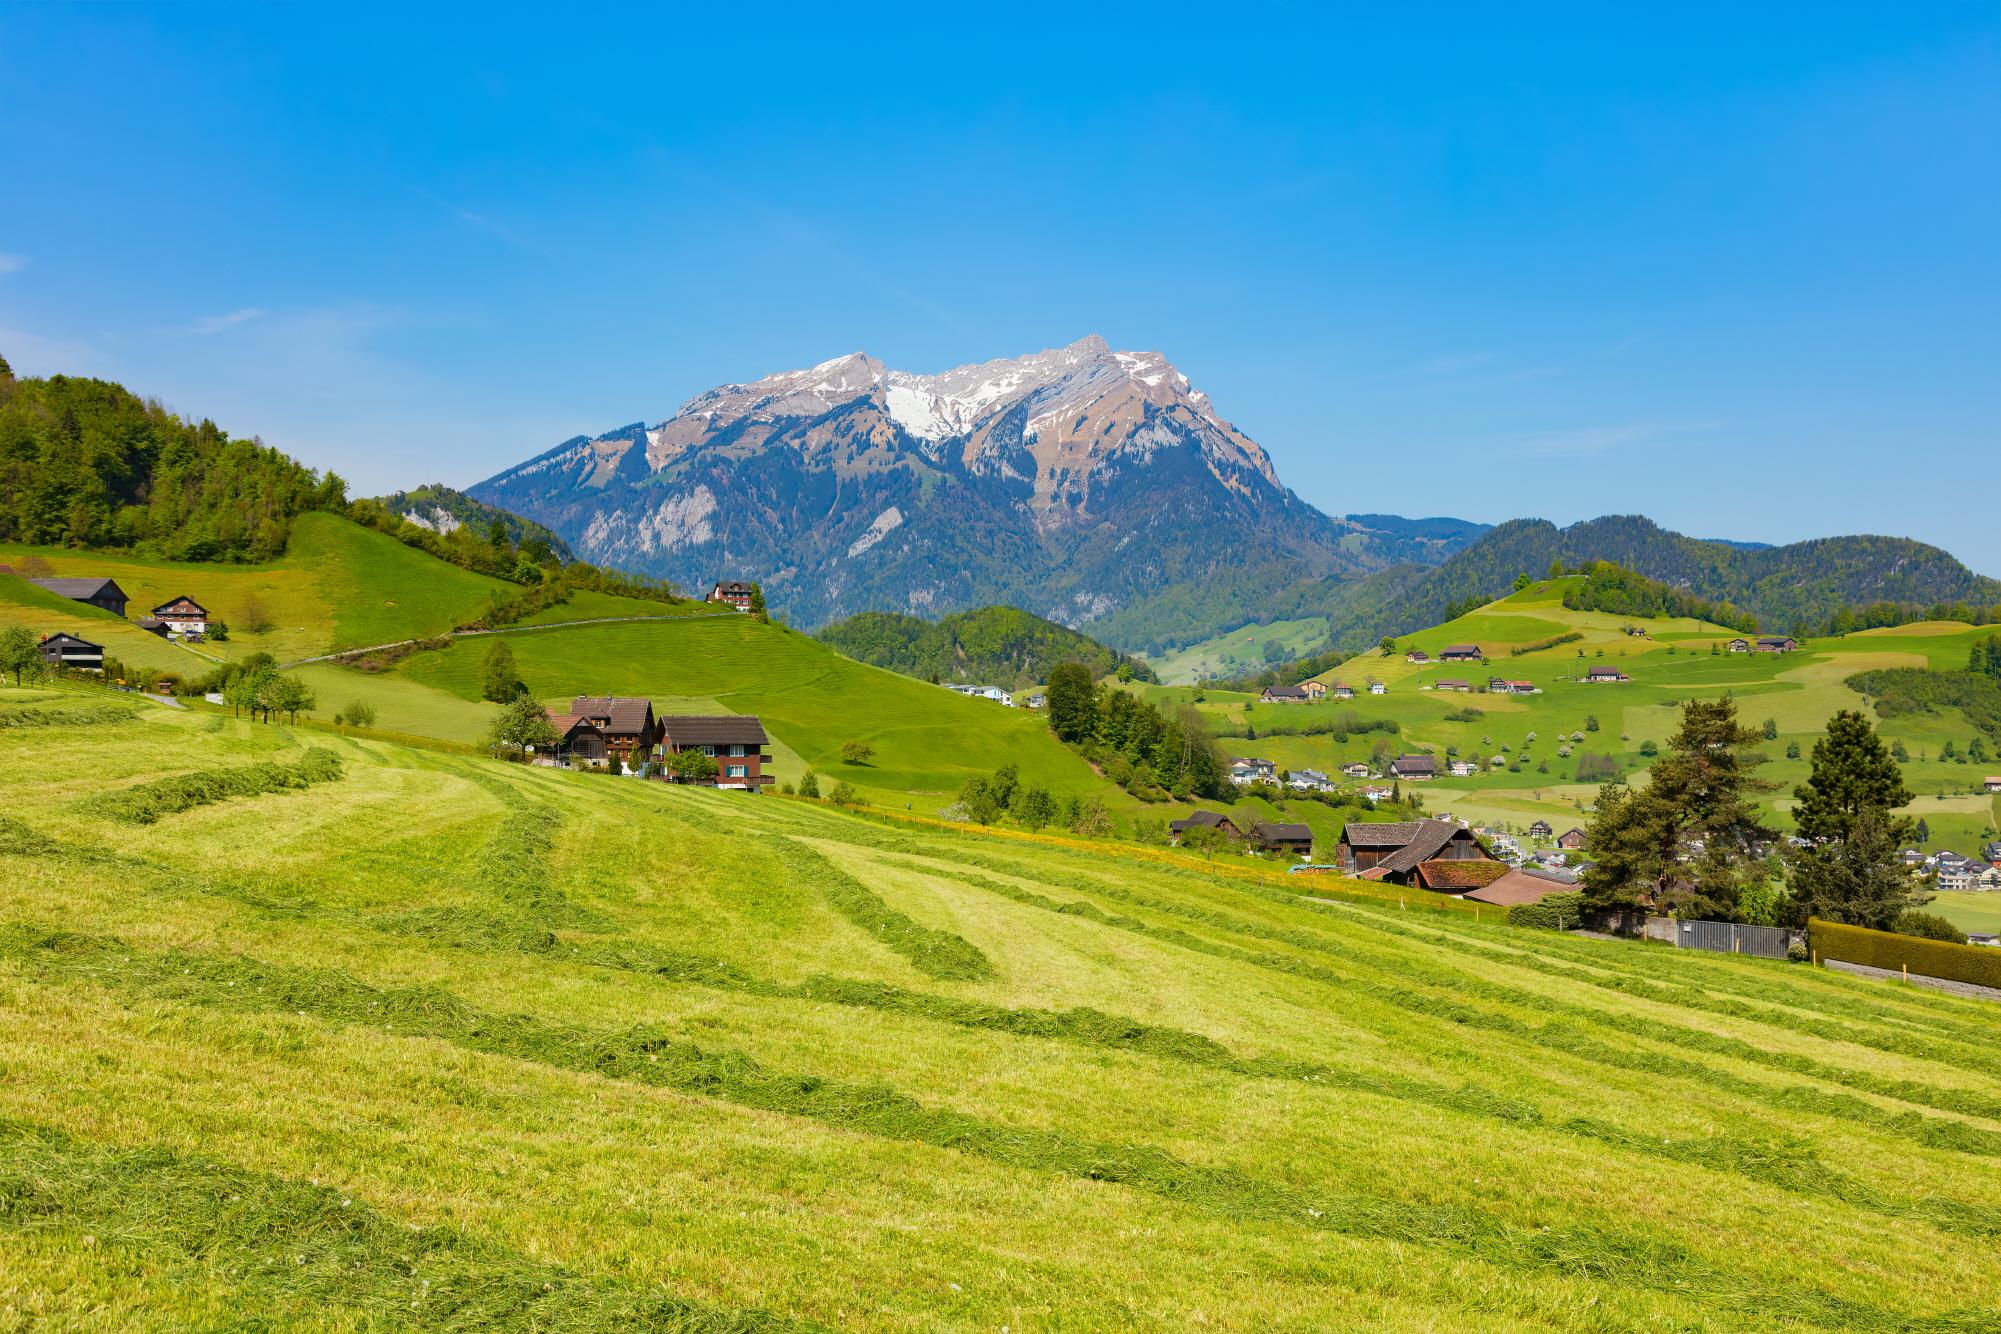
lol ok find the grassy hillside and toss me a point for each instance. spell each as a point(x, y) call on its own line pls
point(1670, 663)
point(1242, 650)
point(446, 1044)
point(1002, 646)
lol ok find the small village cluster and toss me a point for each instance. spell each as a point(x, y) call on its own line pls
point(181, 619)
point(597, 729)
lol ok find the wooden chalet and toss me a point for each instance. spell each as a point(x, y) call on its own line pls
point(1294, 840)
point(70, 652)
point(1776, 644)
point(1397, 850)
point(736, 741)
point(1571, 839)
point(731, 593)
point(1417, 768)
point(1517, 887)
point(1605, 675)
point(1286, 695)
point(626, 723)
point(1541, 829)
point(1460, 653)
point(1451, 683)
point(1204, 820)
point(1739, 646)
point(1417, 655)
point(578, 740)
point(104, 593)
point(183, 616)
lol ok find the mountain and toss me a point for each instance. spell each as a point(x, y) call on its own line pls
point(444, 511)
point(1002, 646)
point(1803, 584)
point(1075, 482)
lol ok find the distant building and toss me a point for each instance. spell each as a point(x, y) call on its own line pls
point(104, 593)
point(1739, 646)
point(183, 616)
point(1342, 690)
point(68, 651)
point(1204, 820)
point(1294, 840)
point(995, 693)
point(1417, 768)
point(1286, 695)
point(578, 740)
point(1993, 784)
point(731, 593)
point(1417, 655)
point(1540, 829)
point(1376, 794)
point(1395, 851)
point(627, 724)
point(1605, 676)
point(1308, 780)
point(1356, 770)
point(1460, 653)
point(1777, 644)
point(1517, 887)
point(1461, 768)
point(1246, 771)
point(1450, 683)
point(1571, 839)
point(1378, 688)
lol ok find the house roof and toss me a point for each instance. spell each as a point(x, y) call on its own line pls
point(1445, 682)
point(731, 586)
point(60, 640)
point(150, 623)
point(1473, 649)
point(713, 729)
point(566, 723)
point(1277, 832)
point(1572, 830)
point(1604, 671)
point(79, 589)
point(1201, 820)
point(623, 713)
point(1518, 887)
point(1430, 838)
point(1416, 764)
point(1460, 874)
point(1287, 691)
point(1380, 833)
point(172, 603)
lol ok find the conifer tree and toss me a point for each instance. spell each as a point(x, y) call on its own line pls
point(1073, 703)
point(500, 679)
point(1852, 772)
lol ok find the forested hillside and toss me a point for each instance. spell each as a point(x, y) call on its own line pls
point(443, 510)
point(87, 463)
point(1003, 646)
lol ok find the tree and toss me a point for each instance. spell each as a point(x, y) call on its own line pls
point(20, 653)
point(694, 765)
point(1792, 750)
point(1093, 820)
point(1923, 833)
point(757, 609)
point(1771, 729)
point(290, 696)
point(1522, 581)
point(1852, 772)
point(1031, 807)
point(1073, 703)
point(809, 784)
point(1687, 841)
point(248, 690)
point(1859, 880)
point(1388, 645)
point(522, 724)
point(856, 752)
point(1931, 926)
point(358, 714)
point(1590, 722)
point(253, 616)
point(499, 678)
point(976, 797)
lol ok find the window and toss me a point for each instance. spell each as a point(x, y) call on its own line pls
point(708, 750)
point(739, 771)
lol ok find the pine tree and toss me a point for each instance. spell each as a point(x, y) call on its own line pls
point(1073, 703)
point(1852, 772)
point(757, 608)
point(1860, 881)
point(500, 679)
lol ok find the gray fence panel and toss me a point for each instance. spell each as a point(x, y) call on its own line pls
point(1766, 942)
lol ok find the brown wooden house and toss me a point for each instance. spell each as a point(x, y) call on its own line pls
point(1204, 820)
point(731, 593)
point(578, 740)
point(1396, 850)
point(627, 724)
point(97, 592)
point(1294, 840)
point(736, 741)
point(68, 651)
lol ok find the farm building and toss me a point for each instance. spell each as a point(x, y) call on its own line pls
point(1777, 644)
point(1417, 655)
point(103, 593)
point(578, 740)
point(1460, 653)
point(1739, 646)
point(1295, 840)
point(1394, 851)
point(627, 724)
point(1355, 770)
point(1994, 784)
point(1378, 688)
point(731, 593)
point(1605, 676)
point(1521, 887)
point(1203, 820)
point(76, 654)
point(1541, 829)
point(1342, 690)
point(1286, 695)
point(1415, 767)
point(1450, 683)
point(737, 741)
point(183, 616)
point(1571, 840)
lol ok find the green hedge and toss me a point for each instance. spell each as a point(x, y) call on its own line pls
point(1556, 912)
point(1979, 964)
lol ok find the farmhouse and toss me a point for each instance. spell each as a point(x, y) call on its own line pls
point(1449, 876)
point(578, 740)
point(1777, 644)
point(1378, 688)
point(1739, 646)
point(1417, 655)
point(1462, 768)
point(1001, 697)
point(627, 724)
point(1540, 829)
point(1450, 683)
point(1308, 780)
point(1356, 770)
point(153, 625)
point(1571, 839)
point(1294, 840)
point(1247, 770)
point(731, 593)
point(183, 616)
point(1203, 820)
point(1993, 784)
point(104, 593)
point(1396, 850)
point(76, 654)
point(735, 740)
point(1342, 690)
point(1518, 887)
point(1497, 686)
point(1415, 767)
point(1459, 653)
point(1286, 695)
point(1376, 794)
point(1605, 676)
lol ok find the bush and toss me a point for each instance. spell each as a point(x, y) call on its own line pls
point(844, 795)
point(358, 714)
point(1556, 912)
point(1977, 964)
point(809, 784)
point(1926, 925)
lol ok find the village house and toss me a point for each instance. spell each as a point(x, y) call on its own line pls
point(578, 741)
point(1417, 655)
point(1378, 688)
point(1285, 695)
point(1460, 653)
point(736, 741)
point(1308, 780)
point(104, 593)
point(1357, 770)
point(1993, 784)
point(1571, 839)
point(153, 625)
point(1450, 683)
point(731, 593)
point(1294, 840)
point(68, 651)
point(1001, 697)
point(1462, 768)
point(1395, 851)
point(1777, 644)
point(1246, 771)
point(1038, 701)
point(1605, 676)
point(1739, 646)
point(1378, 794)
point(1342, 690)
point(1204, 820)
point(1416, 768)
point(1521, 886)
point(1540, 829)
point(1314, 689)
point(1959, 875)
point(627, 724)
point(1498, 686)
point(183, 617)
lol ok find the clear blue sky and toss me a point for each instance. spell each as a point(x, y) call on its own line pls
point(1735, 268)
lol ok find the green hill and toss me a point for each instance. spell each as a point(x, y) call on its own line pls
point(1527, 636)
point(1003, 646)
point(445, 1044)
point(444, 510)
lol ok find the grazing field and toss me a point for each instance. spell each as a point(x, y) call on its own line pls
point(1969, 910)
point(1241, 651)
point(1668, 664)
point(438, 1042)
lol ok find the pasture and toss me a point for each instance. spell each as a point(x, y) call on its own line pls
point(447, 1043)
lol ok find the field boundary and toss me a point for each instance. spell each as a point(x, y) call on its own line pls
point(503, 630)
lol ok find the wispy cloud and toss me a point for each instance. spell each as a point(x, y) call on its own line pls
point(12, 263)
point(491, 226)
point(215, 324)
point(1588, 441)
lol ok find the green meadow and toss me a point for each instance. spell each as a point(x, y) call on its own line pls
point(372, 1037)
point(1241, 651)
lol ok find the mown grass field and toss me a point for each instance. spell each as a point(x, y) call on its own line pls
point(445, 1043)
point(1969, 910)
point(1241, 650)
point(1671, 663)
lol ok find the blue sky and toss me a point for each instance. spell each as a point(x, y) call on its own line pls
point(1735, 268)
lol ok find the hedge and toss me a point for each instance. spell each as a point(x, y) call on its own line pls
point(1978, 964)
point(1554, 912)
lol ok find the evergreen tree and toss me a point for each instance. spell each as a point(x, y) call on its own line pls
point(500, 679)
point(1073, 703)
point(757, 607)
point(1852, 772)
point(1923, 833)
point(1859, 880)
point(1771, 729)
point(1687, 841)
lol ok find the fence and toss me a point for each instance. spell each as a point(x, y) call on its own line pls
point(1765, 942)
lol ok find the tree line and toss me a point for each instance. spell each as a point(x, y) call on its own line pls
point(1153, 755)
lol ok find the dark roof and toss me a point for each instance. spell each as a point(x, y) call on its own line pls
point(730, 586)
point(624, 713)
point(1300, 691)
point(1572, 830)
point(566, 723)
point(1473, 649)
point(1381, 834)
point(1201, 820)
point(1446, 682)
point(1604, 671)
point(170, 603)
point(1427, 843)
point(1282, 833)
point(80, 589)
point(59, 640)
point(1415, 764)
point(713, 729)
point(152, 625)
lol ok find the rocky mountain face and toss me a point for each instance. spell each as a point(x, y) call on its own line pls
point(1073, 482)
